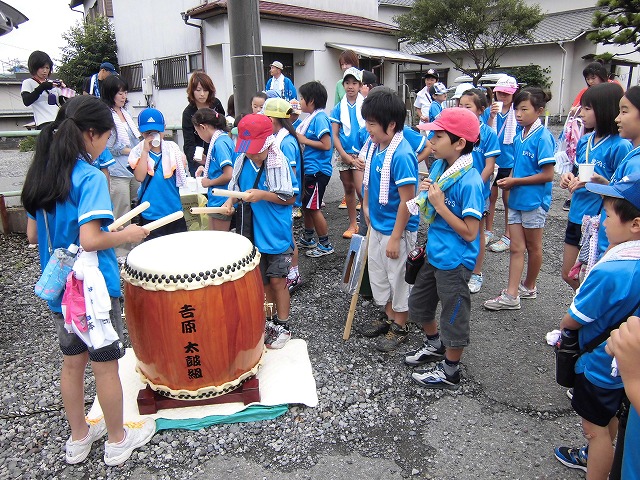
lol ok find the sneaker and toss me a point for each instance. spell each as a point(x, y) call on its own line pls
point(349, 232)
point(490, 237)
point(296, 213)
point(294, 284)
point(269, 331)
point(343, 203)
point(570, 393)
point(566, 206)
point(425, 354)
point(77, 451)
point(394, 337)
point(320, 251)
point(524, 292)
point(503, 302)
point(379, 326)
point(475, 282)
point(501, 245)
point(281, 335)
point(136, 434)
point(436, 377)
point(304, 243)
point(572, 457)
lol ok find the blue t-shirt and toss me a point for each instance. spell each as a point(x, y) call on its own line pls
point(487, 147)
point(446, 249)
point(606, 155)
point(162, 193)
point(291, 150)
point(505, 160)
point(318, 160)
point(222, 155)
point(631, 456)
point(434, 110)
point(403, 171)
point(629, 164)
point(418, 142)
point(349, 143)
point(272, 223)
point(88, 200)
point(104, 160)
point(531, 154)
point(607, 294)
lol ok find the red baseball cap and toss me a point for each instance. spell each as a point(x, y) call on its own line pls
point(459, 121)
point(253, 130)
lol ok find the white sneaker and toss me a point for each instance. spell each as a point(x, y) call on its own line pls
point(503, 302)
point(280, 337)
point(136, 434)
point(475, 282)
point(77, 451)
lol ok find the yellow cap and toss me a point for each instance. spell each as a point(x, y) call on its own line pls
point(277, 108)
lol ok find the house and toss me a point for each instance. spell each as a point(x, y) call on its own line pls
point(13, 114)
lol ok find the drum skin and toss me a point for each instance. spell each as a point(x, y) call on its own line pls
point(197, 342)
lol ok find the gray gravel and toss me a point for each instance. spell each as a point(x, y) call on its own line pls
point(371, 422)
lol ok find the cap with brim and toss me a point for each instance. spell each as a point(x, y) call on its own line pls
point(369, 78)
point(460, 89)
point(439, 88)
point(352, 72)
point(107, 66)
point(431, 73)
point(628, 188)
point(458, 121)
point(506, 84)
point(277, 108)
point(273, 94)
point(253, 130)
point(151, 119)
point(277, 64)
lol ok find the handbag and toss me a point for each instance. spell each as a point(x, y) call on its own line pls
point(244, 214)
point(415, 261)
point(51, 283)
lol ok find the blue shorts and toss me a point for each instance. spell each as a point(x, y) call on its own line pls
point(529, 219)
point(595, 404)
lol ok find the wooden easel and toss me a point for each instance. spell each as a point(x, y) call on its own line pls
point(354, 297)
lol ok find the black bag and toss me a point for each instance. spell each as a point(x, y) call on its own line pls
point(415, 261)
point(244, 214)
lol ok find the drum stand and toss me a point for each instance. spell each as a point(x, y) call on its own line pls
point(149, 401)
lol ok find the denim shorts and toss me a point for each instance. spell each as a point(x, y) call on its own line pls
point(529, 218)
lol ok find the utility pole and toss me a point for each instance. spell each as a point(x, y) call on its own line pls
point(246, 52)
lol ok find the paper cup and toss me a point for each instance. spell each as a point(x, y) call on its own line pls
point(500, 105)
point(156, 140)
point(197, 155)
point(585, 171)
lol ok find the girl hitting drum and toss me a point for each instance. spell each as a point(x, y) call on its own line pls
point(67, 200)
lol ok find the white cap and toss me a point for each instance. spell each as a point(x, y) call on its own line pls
point(460, 89)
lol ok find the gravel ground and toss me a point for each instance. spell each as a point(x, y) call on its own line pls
point(372, 421)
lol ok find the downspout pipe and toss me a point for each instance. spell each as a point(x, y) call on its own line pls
point(185, 19)
point(564, 64)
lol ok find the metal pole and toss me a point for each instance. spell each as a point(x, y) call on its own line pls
point(246, 52)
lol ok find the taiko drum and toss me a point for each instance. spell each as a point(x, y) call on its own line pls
point(194, 305)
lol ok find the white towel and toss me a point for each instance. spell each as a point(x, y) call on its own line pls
point(172, 159)
point(385, 174)
point(345, 118)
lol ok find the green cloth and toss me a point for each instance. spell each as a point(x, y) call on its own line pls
point(252, 413)
point(340, 92)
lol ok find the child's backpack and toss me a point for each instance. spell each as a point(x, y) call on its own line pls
point(568, 142)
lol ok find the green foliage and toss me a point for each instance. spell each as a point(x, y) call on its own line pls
point(27, 144)
point(88, 45)
point(482, 29)
point(618, 23)
point(531, 75)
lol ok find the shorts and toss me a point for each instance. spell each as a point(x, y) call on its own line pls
point(573, 234)
point(386, 275)
point(595, 404)
point(71, 344)
point(451, 288)
point(502, 173)
point(220, 216)
point(340, 165)
point(314, 188)
point(529, 219)
point(275, 265)
point(487, 203)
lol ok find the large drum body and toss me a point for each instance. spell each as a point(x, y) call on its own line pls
point(194, 304)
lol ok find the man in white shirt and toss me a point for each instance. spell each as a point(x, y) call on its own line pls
point(281, 83)
point(423, 99)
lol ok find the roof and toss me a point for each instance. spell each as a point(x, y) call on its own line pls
point(554, 27)
point(382, 53)
point(295, 13)
point(397, 3)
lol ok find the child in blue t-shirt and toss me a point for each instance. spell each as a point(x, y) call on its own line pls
point(608, 295)
point(484, 160)
point(390, 180)
point(603, 148)
point(161, 171)
point(271, 202)
point(529, 199)
point(438, 93)
point(346, 122)
point(211, 127)
point(316, 140)
point(452, 201)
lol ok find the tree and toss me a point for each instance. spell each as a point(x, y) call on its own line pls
point(531, 75)
point(481, 29)
point(618, 23)
point(89, 44)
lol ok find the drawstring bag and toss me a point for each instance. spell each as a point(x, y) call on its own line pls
point(74, 309)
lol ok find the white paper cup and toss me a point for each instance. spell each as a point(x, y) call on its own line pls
point(156, 140)
point(197, 155)
point(585, 171)
point(500, 105)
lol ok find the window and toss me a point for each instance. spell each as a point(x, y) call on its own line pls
point(133, 75)
point(195, 62)
point(171, 72)
point(373, 65)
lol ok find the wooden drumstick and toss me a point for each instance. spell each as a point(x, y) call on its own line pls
point(117, 223)
point(196, 210)
point(228, 193)
point(161, 222)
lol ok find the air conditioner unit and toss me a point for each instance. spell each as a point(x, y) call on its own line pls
point(147, 85)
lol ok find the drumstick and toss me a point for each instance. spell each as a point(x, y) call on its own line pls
point(161, 222)
point(128, 216)
point(228, 193)
point(222, 210)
